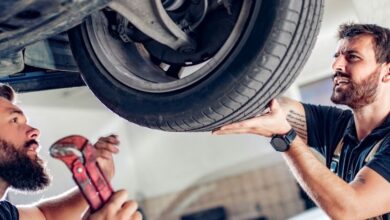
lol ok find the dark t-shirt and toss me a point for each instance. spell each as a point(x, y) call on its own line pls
point(326, 126)
point(8, 211)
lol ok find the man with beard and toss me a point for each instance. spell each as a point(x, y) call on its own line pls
point(21, 168)
point(355, 144)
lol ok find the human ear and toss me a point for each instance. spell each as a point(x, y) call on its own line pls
point(386, 77)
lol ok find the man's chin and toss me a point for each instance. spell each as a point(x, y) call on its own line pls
point(22, 170)
point(336, 98)
point(34, 177)
point(32, 187)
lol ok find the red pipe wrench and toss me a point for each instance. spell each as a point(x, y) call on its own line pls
point(79, 155)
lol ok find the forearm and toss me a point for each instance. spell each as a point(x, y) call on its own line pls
point(295, 115)
point(70, 205)
point(337, 198)
point(331, 193)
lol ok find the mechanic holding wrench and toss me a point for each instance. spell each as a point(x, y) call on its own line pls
point(21, 168)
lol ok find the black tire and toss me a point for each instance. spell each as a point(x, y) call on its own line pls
point(273, 47)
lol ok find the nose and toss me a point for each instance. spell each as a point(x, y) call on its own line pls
point(339, 63)
point(33, 133)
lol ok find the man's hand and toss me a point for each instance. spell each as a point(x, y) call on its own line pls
point(105, 147)
point(117, 208)
point(273, 122)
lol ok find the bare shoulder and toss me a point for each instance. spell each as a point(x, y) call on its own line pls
point(30, 212)
point(295, 115)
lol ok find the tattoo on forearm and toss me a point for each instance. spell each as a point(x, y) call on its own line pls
point(298, 122)
point(301, 134)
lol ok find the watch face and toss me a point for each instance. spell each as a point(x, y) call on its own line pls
point(279, 144)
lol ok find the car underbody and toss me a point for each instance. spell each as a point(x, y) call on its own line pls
point(174, 65)
point(25, 22)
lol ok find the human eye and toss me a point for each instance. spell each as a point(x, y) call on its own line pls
point(336, 55)
point(14, 119)
point(353, 57)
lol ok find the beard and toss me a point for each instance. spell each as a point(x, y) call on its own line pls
point(19, 170)
point(357, 95)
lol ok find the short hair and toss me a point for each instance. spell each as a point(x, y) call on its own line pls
point(7, 92)
point(381, 38)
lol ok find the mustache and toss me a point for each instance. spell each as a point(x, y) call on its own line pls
point(339, 73)
point(29, 143)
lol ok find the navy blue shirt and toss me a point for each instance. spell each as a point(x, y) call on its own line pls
point(8, 211)
point(326, 126)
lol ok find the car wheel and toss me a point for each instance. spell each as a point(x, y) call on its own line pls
point(244, 58)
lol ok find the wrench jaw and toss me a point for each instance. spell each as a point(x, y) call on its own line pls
point(79, 156)
point(66, 153)
point(69, 149)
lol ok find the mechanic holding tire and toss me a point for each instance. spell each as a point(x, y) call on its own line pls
point(355, 143)
point(21, 168)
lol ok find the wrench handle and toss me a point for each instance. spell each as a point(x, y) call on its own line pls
point(79, 156)
point(100, 182)
point(86, 187)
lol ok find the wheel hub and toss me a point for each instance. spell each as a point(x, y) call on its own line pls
point(198, 26)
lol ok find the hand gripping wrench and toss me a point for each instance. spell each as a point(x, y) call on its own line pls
point(79, 155)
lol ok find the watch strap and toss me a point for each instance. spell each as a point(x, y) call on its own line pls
point(291, 135)
point(282, 143)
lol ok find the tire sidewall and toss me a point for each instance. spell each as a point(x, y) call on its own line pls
point(130, 103)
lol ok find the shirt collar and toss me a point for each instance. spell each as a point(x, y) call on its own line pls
point(350, 131)
point(380, 131)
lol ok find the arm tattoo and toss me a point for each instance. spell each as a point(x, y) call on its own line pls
point(298, 122)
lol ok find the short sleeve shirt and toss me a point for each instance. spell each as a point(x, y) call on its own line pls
point(326, 126)
point(8, 211)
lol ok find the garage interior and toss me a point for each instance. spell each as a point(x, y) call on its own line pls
point(192, 176)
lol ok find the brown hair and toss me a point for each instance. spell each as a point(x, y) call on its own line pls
point(7, 92)
point(381, 37)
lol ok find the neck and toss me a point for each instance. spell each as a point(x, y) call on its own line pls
point(369, 117)
point(3, 188)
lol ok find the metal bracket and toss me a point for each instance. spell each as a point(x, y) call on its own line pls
point(150, 17)
point(40, 80)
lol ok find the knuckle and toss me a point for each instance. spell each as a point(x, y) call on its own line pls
point(103, 152)
point(110, 146)
point(99, 145)
point(123, 193)
point(111, 208)
point(132, 204)
point(121, 216)
point(106, 154)
point(137, 216)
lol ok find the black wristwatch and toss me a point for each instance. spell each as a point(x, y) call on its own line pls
point(282, 143)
